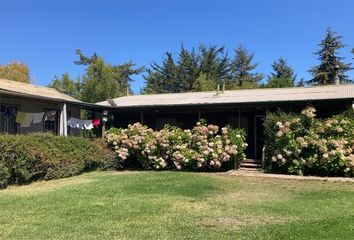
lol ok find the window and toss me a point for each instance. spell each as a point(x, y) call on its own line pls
point(51, 121)
point(8, 119)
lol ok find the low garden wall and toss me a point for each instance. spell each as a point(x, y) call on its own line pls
point(25, 158)
point(305, 145)
point(203, 148)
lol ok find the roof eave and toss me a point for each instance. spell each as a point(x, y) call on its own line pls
point(228, 103)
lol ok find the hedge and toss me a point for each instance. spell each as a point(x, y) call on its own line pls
point(26, 158)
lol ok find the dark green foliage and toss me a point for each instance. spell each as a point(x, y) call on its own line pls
point(202, 70)
point(25, 158)
point(192, 70)
point(84, 60)
point(242, 68)
point(104, 81)
point(348, 114)
point(101, 80)
point(67, 85)
point(325, 72)
point(283, 75)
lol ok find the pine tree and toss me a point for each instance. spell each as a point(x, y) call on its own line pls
point(283, 75)
point(242, 68)
point(186, 72)
point(330, 63)
point(162, 78)
point(204, 83)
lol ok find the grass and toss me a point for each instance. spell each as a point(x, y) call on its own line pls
point(177, 205)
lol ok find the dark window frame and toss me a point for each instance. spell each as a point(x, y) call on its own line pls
point(17, 126)
point(51, 126)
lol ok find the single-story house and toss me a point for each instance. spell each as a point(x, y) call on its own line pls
point(238, 108)
point(56, 108)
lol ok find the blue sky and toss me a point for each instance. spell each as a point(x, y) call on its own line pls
point(45, 34)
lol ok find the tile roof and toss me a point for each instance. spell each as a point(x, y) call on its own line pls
point(235, 96)
point(30, 90)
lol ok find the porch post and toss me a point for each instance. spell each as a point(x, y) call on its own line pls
point(239, 117)
point(142, 117)
point(63, 128)
point(104, 120)
point(199, 115)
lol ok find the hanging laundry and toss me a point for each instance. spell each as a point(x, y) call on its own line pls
point(38, 117)
point(88, 124)
point(20, 116)
point(27, 121)
point(73, 123)
point(96, 122)
point(81, 124)
point(50, 116)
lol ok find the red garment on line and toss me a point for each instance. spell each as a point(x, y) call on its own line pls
point(96, 122)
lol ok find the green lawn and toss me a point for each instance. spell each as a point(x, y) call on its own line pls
point(177, 205)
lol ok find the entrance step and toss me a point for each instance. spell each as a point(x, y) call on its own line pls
point(244, 169)
point(249, 160)
point(251, 164)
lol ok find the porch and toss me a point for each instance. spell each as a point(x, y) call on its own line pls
point(249, 117)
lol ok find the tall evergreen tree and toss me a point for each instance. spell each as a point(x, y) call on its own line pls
point(283, 75)
point(188, 70)
point(242, 68)
point(330, 63)
point(162, 78)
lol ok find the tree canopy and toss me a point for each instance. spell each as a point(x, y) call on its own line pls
point(330, 62)
point(196, 69)
point(100, 81)
point(282, 75)
point(67, 85)
point(15, 71)
point(191, 70)
point(242, 69)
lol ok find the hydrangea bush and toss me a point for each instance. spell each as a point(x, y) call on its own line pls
point(205, 147)
point(305, 145)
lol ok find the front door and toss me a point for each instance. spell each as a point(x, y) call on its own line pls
point(258, 136)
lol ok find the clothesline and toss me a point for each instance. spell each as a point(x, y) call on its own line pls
point(26, 119)
point(84, 124)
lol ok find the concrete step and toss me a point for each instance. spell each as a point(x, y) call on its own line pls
point(252, 161)
point(250, 165)
point(244, 169)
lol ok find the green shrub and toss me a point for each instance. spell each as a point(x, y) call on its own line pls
point(25, 158)
point(303, 144)
point(201, 148)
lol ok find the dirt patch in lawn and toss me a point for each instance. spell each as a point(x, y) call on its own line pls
point(241, 221)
